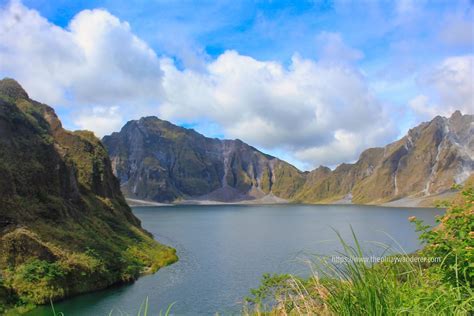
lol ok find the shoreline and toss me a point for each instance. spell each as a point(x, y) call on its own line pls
point(406, 202)
point(144, 203)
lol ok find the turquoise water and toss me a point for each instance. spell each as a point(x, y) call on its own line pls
point(224, 250)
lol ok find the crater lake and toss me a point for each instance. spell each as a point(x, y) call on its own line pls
point(223, 251)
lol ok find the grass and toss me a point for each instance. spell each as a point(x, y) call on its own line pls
point(403, 284)
point(143, 310)
point(355, 288)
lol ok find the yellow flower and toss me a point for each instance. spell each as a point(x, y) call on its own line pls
point(412, 218)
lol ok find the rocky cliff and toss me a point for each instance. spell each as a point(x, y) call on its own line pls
point(427, 161)
point(65, 227)
point(156, 160)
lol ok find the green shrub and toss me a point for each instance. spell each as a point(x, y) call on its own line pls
point(39, 270)
point(453, 240)
point(37, 281)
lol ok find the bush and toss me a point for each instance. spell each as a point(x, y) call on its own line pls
point(453, 240)
point(38, 281)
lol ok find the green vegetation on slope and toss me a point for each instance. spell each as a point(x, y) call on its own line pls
point(407, 285)
point(64, 225)
point(288, 180)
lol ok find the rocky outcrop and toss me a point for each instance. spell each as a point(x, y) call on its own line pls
point(65, 227)
point(156, 160)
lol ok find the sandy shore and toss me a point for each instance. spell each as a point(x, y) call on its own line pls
point(267, 199)
point(427, 201)
point(135, 202)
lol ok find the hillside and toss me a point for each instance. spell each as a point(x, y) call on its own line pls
point(65, 227)
point(426, 162)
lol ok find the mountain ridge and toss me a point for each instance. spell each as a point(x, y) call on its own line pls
point(442, 149)
point(191, 165)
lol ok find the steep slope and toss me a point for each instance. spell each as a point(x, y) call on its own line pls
point(427, 161)
point(156, 160)
point(324, 185)
point(65, 227)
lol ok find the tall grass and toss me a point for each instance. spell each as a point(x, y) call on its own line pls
point(403, 287)
point(354, 287)
point(143, 310)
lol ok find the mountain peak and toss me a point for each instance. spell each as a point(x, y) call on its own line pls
point(149, 118)
point(11, 88)
point(456, 115)
point(157, 160)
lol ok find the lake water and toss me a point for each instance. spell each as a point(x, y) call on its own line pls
point(224, 250)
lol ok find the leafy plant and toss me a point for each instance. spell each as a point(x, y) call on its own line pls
point(453, 240)
point(39, 270)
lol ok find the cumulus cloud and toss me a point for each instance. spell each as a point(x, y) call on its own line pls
point(323, 113)
point(448, 87)
point(96, 59)
point(100, 119)
point(318, 111)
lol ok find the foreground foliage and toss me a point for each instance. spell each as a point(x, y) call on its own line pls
point(407, 286)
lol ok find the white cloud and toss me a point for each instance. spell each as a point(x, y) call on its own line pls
point(323, 113)
point(420, 104)
point(318, 111)
point(94, 65)
point(35, 52)
point(117, 65)
point(457, 29)
point(101, 120)
point(333, 49)
point(450, 86)
point(96, 60)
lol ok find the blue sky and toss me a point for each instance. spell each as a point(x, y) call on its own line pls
point(255, 70)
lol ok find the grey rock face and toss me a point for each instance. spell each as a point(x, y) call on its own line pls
point(156, 160)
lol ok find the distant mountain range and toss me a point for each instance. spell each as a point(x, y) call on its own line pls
point(158, 161)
